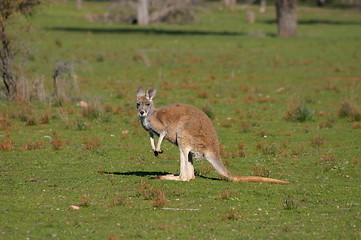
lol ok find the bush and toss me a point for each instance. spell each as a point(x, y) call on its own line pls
point(299, 113)
point(349, 110)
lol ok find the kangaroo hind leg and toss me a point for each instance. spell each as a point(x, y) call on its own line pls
point(186, 165)
point(186, 168)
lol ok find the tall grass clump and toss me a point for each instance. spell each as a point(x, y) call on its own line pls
point(93, 110)
point(64, 82)
point(299, 113)
point(349, 110)
point(289, 204)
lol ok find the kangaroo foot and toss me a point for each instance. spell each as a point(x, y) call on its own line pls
point(156, 153)
point(172, 177)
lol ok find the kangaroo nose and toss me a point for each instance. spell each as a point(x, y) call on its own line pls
point(141, 113)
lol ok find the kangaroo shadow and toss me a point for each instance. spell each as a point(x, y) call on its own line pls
point(136, 173)
point(151, 175)
point(147, 31)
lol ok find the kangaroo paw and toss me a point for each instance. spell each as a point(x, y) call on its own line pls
point(156, 153)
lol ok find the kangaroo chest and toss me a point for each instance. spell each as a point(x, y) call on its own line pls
point(147, 125)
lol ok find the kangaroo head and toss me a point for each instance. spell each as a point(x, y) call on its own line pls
point(145, 105)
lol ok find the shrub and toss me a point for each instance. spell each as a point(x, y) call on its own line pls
point(350, 110)
point(299, 113)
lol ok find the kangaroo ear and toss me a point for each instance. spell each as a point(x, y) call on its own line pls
point(140, 92)
point(151, 93)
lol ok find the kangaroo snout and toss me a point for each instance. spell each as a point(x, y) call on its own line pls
point(141, 113)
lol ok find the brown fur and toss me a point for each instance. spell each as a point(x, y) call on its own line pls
point(191, 130)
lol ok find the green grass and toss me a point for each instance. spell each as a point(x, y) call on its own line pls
point(242, 74)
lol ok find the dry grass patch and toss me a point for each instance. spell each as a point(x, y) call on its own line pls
point(328, 162)
point(232, 215)
point(260, 171)
point(240, 150)
point(91, 143)
point(267, 149)
point(84, 201)
point(57, 144)
point(45, 118)
point(4, 123)
point(203, 94)
point(349, 110)
point(160, 200)
point(7, 143)
point(34, 146)
point(327, 123)
point(117, 201)
point(317, 141)
point(226, 194)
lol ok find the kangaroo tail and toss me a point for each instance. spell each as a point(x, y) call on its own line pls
point(221, 169)
point(256, 179)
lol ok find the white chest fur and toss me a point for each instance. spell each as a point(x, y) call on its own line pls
point(146, 123)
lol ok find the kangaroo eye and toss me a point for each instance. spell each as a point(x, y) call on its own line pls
point(138, 104)
point(147, 104)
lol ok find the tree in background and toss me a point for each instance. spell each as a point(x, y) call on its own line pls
point(79, 4)
point(286, 17)
point(143, 12)
point(230, 4)
point(9, 10)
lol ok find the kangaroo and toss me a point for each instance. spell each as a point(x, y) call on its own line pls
point(191, 130)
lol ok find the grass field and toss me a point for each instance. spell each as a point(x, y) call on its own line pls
point(288, 108)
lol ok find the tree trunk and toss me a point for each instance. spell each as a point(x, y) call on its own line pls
point(229, 4)
point(79, 4)
point(6, 65)
point(143, 14)
point(286, 17)
point(263, 6)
